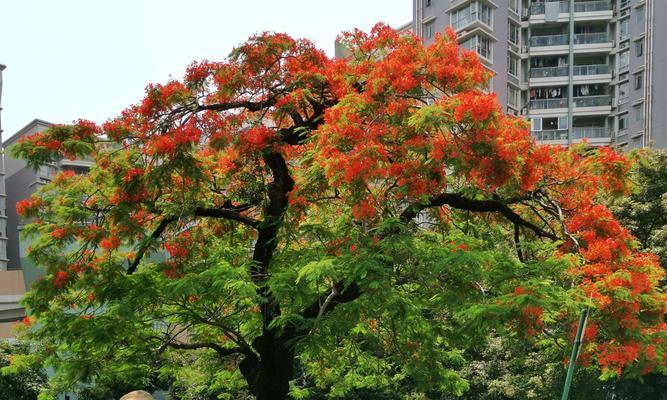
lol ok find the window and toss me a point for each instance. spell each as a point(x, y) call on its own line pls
point(485, 14)
point(640, 18)
point(624, 29)
point(623, 122)
point(514, 5)
point(427, 3)
point(562, 123)
point(639, 48)
point(464, 16)
point(513, 96)
point(429, 30)
point(623, 60)
point(549, 124)
point(484, 47)
point(536, 124)
point(513, 64)
point(470, 13)
point(513, 33)
point(638, 112)
point(639, 80)
point(623, 91)
point(481, 45)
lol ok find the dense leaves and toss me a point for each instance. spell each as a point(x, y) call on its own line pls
point(352, 225)
point(23, 381)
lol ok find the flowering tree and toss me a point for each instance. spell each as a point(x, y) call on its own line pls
point(294, 220)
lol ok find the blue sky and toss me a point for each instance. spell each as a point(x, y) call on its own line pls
point(70, 59)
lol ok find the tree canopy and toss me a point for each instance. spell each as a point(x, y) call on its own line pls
point(281, 221)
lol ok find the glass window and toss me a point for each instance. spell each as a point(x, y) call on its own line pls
point(464, 16)
point(624, 29)
point(623, 91)
point(513, 96)
point(513, 33)
point(639, 48)
point(514, 5)
point(640, 18)
point(512, 64)
point(484, 47)
point(623, 122)
point(536, 124)
point(623, 60)
point(639, 80)
point(429, 30)
point(485, 14)
point(638, 112)
point(562, 123)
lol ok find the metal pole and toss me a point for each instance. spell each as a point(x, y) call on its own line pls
point(575, 352)
point(570, 73)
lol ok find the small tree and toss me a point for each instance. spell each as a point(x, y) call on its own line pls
point(317, 221)
point(24, 382)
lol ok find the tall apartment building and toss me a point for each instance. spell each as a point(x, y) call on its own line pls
point(11, 282)
point(576, 68)
point(3, 196)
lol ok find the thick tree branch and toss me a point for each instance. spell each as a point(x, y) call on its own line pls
point(142, 251)
point(457, 201)
point(342, 295)
point(232, 105)
point(226, 213)
point(222, 351)
point(267, 238)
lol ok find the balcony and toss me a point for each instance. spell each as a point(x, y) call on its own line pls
point(595, 69)
point(591, 38)
point(549, 72)
point(546, 104)
point(592, 6)
point(579, 7)
point(549, 40)
point(590, 132)
point(592, 101)
point(549, 135)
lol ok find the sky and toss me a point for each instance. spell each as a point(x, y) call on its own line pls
point(71, 59)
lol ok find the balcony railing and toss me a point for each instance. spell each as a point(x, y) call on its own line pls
point(548, 103)
point(590, 132)
point(588, 6)
point(549, 40)
point(548, 72)
point(592, 101)
point(539, 8)
point(556, 134)
point(591, 38)
point(579, 6)
point(595, 69)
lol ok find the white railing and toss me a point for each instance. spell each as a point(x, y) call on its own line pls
point(548, 72)
point(556, 134)
point(549, 40)
point(596, 69)
point(548, 103)
point(590, 38)
point(590, 132)
point(588, 6)
point(592, 101)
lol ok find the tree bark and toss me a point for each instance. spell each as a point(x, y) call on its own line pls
point(269, 375)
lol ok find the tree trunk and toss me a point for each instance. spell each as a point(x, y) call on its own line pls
point(269, 375)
